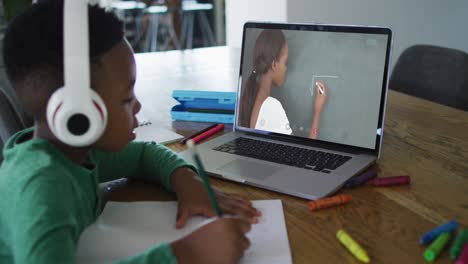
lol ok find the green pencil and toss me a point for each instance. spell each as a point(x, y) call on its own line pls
point(201, 173)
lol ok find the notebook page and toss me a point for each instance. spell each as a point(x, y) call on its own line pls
point(125, 229)
point(147, 131)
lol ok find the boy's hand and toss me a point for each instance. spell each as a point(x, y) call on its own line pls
point(221, 241)
point(193, 200)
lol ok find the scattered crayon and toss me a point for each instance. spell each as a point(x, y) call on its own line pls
point(329, 202)
point(390, 181)
point(184, 140)
point(352, 246)
point(429, 236)
point(208, 133)
point(436, 247)
point(463, 258)
point(457, 246)
point(361, 179)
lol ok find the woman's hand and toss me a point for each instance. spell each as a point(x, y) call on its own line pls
point(321, 96)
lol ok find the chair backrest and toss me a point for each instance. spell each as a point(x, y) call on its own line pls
point(10, 121)
point(433, 73)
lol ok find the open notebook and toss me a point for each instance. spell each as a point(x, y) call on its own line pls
point(125, 229)
point(147, 131)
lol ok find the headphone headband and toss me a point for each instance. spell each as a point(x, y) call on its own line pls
point(76, 114)
point(76, 48)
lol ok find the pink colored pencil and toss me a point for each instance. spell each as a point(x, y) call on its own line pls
point(390, 181)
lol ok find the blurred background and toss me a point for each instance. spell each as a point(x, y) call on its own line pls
point(160, 25)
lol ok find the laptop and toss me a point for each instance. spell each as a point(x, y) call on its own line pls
point(310, 108)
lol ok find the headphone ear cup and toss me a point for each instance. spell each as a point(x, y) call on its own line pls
point(53, 105)
point(101, 110)
point(76, 121)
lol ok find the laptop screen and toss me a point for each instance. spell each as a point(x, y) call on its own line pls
point(315, 82)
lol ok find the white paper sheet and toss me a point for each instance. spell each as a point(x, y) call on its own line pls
point(125, 229)
point(151, 132)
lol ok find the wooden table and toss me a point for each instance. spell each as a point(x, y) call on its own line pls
point(425, 140)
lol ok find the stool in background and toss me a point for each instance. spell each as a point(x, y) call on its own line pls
point(190, 9)
point(131, 12)
point(160, 13)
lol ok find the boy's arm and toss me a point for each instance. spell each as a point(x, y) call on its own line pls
point(47, 224)
point(160, 254)
point(146, 160)
point(44, 228)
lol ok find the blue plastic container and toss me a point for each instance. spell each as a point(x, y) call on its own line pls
point(204, 106)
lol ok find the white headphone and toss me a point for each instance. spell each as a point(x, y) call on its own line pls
point(76, 114)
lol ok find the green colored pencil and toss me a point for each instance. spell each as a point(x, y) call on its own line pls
point(201, 173)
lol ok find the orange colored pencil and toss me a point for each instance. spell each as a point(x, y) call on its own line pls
point(329, 202)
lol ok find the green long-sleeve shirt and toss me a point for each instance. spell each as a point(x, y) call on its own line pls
point(46, 200)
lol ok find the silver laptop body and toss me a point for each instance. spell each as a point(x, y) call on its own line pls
point(352, 61)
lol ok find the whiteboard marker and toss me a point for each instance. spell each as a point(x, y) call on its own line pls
point(320, 88)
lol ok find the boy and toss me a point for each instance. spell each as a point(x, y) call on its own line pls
point(50, 190)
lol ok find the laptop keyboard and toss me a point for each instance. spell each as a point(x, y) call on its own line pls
point(284, 154)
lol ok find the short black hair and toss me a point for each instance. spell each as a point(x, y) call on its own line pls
point(33, 47)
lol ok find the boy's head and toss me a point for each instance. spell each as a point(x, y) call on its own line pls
point(33, 54)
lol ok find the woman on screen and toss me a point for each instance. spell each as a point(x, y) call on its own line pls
point(258, 109)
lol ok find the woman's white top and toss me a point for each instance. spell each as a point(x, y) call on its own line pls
point(273, 118)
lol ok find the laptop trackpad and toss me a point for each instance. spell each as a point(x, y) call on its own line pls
point(248, 169)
